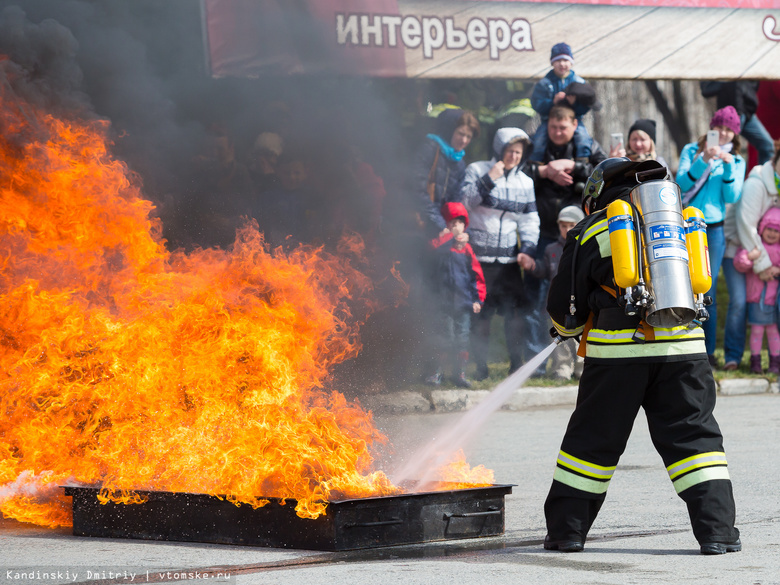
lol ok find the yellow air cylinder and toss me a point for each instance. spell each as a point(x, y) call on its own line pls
point(698, 251)
point(622, 240)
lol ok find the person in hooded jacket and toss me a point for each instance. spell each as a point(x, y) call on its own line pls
point(438, 167)
point(504, 233)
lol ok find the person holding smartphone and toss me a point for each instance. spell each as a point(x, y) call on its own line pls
point(641, 143)
point(710, 176)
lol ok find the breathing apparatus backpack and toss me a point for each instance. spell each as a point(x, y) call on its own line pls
point(659, 251)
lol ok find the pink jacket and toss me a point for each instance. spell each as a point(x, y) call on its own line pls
point(753, 284)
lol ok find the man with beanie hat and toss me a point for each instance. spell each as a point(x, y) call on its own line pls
point(551, 90)
point(743, 96)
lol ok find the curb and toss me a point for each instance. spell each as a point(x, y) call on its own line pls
point(456, 400)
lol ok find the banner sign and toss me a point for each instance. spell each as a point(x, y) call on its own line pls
point(611, 39)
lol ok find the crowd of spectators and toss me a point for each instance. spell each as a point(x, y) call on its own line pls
point(301, 185)
point(518, 203)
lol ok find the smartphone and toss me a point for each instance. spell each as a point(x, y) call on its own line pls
point(616, 140)
point(713, 138)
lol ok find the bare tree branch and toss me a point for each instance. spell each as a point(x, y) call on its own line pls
point(675, 121)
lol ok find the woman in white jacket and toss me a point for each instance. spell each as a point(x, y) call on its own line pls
point(760, 192)
point(504, 231)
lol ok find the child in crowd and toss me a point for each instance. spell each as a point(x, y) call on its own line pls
point(564, 361)
point(561, 84)
point(461, 292)
point(762, 296)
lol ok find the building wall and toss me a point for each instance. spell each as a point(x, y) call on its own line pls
point(624, 101)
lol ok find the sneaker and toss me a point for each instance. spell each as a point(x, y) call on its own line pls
point(461, 381)
point(564, 545)
point(719, 548)
point(730, 366)
point(434, 379)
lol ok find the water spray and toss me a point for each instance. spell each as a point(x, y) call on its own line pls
point(422, 465)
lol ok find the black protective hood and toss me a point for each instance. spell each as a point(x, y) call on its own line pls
point(614, 178)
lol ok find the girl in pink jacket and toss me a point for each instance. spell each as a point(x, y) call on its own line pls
point(762, 296)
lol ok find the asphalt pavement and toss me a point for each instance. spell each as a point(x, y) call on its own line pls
point(642, 535)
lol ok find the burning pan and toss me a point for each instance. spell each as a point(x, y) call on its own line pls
point(348, 524)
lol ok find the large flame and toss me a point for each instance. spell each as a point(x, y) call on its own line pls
point(131, 367)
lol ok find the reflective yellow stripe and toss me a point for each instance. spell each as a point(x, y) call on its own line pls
point(580, 483)
point(612, 335)
point(597, 227)
point(697, 477)
point(585, 467)
point(649, 349)
point(695, 462)
point(629, 335)
point(567, 332)
point(605, 247)
point(679, 333)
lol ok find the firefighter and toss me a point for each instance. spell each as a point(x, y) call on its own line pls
point(629, 364)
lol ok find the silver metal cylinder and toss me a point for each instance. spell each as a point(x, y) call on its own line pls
point(665, 254)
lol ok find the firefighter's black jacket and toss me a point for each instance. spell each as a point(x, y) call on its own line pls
point(607, 333)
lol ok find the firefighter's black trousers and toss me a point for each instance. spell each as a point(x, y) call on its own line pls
point(678, 399)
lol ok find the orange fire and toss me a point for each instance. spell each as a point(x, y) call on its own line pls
point(458, 474)
point(134, 368)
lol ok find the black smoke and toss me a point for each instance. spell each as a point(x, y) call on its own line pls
point(141, 65)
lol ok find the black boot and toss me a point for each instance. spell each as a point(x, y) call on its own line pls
point(563, 545)
point(774, 364)
point(719, 548)
point(481, 373)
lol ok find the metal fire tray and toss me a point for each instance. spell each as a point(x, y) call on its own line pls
point(347, 524)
